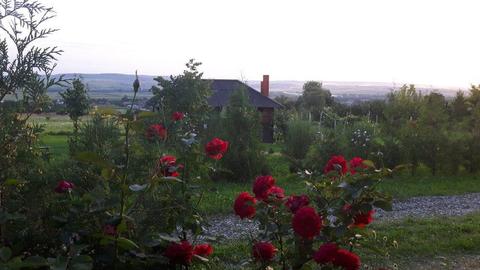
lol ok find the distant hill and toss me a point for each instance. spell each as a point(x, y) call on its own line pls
point(112, 85)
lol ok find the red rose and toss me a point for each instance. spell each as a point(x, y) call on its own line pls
point(179, 253)
point(276, 191)
point(64, 186)
point(264, 251)
point(216, 148)
point(356, 162)
point(262, 186)
point(203, 250)
point(326, 253)
point(156, 130)
point(297, 202)
point(177, 116)
point(336, 163)
point(362, 219)
point(168, 166)
point(244, 205)
point(110, 230)
point(347, 260)
point(306, 222)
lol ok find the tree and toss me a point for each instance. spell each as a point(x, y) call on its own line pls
point(76, 102)
point(315, 98)
point(186, 93)
point(473, 129)
point(432, 122)
point(400, 129)
point(241, 126)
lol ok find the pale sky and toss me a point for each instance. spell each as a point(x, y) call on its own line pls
point(417, 41)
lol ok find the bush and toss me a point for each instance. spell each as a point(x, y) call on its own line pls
point(300, 135)
point(329, 144)
point(242, 129)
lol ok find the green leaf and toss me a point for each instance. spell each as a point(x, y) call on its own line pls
point(34, 262)
point(82, 262)
point(5, 253)
point(126, 243)
point(59, 263)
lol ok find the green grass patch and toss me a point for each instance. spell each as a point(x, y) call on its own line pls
point(57, 146)
point(404, 187)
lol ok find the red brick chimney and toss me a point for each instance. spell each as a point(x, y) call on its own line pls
point(265, 86)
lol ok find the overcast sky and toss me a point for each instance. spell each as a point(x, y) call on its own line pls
point(430, 42)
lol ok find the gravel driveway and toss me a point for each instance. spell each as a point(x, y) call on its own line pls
point(232, 227)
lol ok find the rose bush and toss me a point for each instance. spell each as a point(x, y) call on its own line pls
point(323, 227)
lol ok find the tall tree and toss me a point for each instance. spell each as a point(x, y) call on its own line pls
point(315, 98)
point(241, 126)
point(187, 93)
point(432, 121)
point(76, 102)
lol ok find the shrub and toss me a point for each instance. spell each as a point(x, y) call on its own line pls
point(241, 127)
point(300, 135)
point(100, 135)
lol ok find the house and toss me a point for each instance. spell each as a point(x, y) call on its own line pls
point(222, 89)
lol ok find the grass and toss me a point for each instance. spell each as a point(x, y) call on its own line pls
point(420, 241)
point(404, 187)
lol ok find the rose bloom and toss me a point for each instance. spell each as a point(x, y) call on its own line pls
point(338, 161)
point(277, 192)
point(216, 148)
point(64, 186)
point(347, 260)
point(306, 222)
point(356, 162)
point(156, 130)
point(326, 253)
point(296, 202)
point(168, 166)
point(264, 251)
point(362, 219)
point(262, 186)
point(179, 253)
point(177, 116)
point(330, 253)
point(244, 205)
point(203, 250)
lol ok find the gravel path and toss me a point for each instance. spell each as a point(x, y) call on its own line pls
point(232, 227)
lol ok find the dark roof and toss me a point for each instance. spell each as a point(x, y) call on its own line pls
point(222, 89)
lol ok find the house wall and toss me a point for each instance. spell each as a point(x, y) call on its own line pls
point(267, 124)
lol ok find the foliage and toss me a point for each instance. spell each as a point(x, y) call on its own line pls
point(76, 102)
point(315, 98)
point(100, 135)
point(187, 92)
point(241, 127)
point(300, 135)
